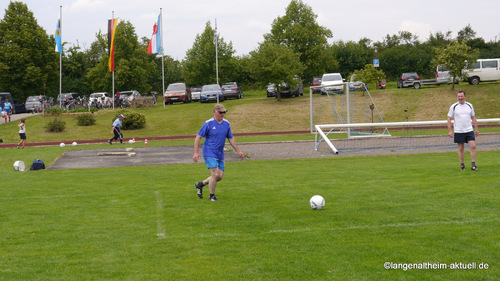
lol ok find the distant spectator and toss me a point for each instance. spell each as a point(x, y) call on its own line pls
point(7, 107)
point(22, 133)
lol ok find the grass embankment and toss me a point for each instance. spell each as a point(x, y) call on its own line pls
point(256, 113)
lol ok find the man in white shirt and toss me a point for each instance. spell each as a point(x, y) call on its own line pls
point(464, 118)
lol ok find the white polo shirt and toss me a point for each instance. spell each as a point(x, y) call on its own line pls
point(461, 114)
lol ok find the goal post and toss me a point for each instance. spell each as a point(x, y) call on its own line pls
point(322, 130)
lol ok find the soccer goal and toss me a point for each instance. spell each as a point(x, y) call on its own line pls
point(425, 135)
point(352, 103)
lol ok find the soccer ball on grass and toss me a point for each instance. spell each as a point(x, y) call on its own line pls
point(317, 202)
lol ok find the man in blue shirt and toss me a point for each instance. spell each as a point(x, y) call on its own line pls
point(215, 131)
point(116, 130)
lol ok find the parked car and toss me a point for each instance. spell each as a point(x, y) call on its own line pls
point(130, 95)
point(409, 79)
point(211, 92)
point(34, 103)
point(66, 98)
point(355, 84)
point(18, 107)
point(271, 91)
point(6, 96)
point(231, 90)
point(177, 92)
point(316, 82)
point(332, 82)
point(195, 93)
point(103, 98)
point(287, 91)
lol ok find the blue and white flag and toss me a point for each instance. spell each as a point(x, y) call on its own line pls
point(58, 37)
point(215, 34)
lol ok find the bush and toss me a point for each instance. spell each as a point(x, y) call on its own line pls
point(133, 120)
point(86, 119)
point(55, 110)
point(55, 126)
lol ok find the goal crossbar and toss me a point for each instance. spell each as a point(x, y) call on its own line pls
point(323, 137)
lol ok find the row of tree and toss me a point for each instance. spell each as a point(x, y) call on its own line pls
point(295, 45)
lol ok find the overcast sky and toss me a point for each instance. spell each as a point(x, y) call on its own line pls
point(244, 22)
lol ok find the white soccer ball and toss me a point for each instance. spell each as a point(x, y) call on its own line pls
point(130, 141)
point(317, 202)
point(74, 143)
point(62, 144)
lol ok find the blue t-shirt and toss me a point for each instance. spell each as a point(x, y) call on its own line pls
point(215, 135)
point(117, 123)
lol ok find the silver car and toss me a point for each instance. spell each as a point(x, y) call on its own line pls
point(195, 93)
point(34, 103)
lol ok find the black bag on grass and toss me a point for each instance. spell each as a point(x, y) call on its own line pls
point(37, 165)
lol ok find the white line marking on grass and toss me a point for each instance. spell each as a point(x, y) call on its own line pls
point(354, 227)
point(159, 216)
point(43, 197)
point(393, 225)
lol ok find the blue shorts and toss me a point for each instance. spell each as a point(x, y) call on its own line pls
point(7, 110)
point(464, 137)
point(214, 163)
point(22, 136)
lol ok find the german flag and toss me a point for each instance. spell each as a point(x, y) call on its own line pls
point(111, 43)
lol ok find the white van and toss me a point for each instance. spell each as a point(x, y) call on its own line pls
point(484, 70)
point(443, 75)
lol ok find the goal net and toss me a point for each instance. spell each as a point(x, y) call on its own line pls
point(422, 136)
point(349, 103)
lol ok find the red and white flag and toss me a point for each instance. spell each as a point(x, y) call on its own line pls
point(154, 46)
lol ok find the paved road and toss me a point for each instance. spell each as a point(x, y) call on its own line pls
point(15, 117)
point(118, 156)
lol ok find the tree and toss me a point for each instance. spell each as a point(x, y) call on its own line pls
point(369, 74)
point(74, 71)
point(28, 61)
point(275, 64)
point(456, 57)
point(351, 56)
point(199, 66)
point(299, 31)
point(439, 39)
point(466, 34)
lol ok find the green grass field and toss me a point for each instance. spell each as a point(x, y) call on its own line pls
point(146, 223)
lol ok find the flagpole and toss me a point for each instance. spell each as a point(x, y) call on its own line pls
point(60, 57)
point(216, 57)
point(162, 58)
point(113, 73)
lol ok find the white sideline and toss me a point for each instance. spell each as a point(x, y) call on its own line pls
point(159, 212)
point(354, 227)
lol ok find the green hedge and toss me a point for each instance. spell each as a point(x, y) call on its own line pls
point(132, 120)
